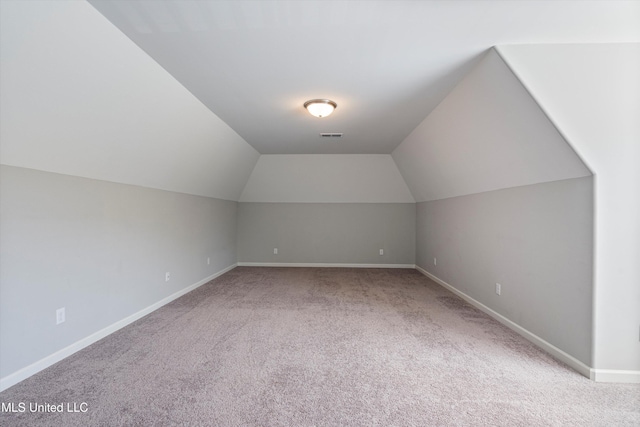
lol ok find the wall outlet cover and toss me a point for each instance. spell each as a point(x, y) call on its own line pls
point(60, 315)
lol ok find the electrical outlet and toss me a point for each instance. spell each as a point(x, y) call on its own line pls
point(498, 289)
point(381, 251)
point(60, 316)
point(167, 276)
point(275, 251)
point(208, 261)
point(435, 261)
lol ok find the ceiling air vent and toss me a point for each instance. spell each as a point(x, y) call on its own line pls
point(331, 135)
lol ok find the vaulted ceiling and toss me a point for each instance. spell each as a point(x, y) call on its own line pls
point(386, 63)
point(185, 96)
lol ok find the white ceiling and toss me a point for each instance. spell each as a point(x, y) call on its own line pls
point(387, 64)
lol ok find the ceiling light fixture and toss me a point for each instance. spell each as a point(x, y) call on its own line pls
point(320, 107)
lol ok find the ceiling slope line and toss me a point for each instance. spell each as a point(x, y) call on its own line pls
point(540, 105)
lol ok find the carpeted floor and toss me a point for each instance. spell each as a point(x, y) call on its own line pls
point(319, 347)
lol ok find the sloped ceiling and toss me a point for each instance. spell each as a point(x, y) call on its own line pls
point(386, 63)
point(80, 98)
point(326, 178)
point(487, 134)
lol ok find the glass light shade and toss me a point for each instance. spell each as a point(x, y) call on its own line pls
point(320, 107)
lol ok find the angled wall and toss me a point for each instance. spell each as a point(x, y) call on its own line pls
point(592, 93)
point(326, 209)
point(99, 145)
point(487, 134)
point(326, 178)
point(80, 98)
point(502, 198)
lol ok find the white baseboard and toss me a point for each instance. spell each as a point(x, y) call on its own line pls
point(322, 264)
point(44, 363)
point(549, 348)
point(599, 375)
point(615, 376)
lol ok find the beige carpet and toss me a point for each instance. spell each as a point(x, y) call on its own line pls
point(319, 347)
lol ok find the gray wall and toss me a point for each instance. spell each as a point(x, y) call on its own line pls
point(536, 241)
point(605, 132)
point(327, 232)
point(100, 250)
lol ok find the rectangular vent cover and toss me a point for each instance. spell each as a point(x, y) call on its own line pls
point(331, 135)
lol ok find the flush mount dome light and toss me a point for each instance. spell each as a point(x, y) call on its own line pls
point(320, 107)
